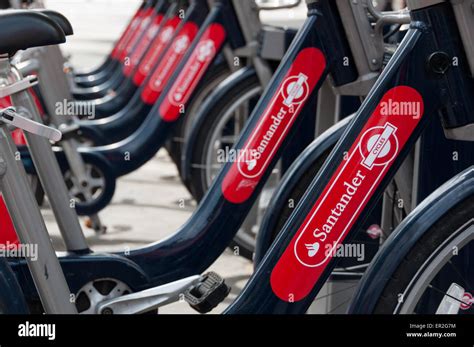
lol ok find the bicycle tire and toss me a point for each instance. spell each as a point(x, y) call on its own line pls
point(198, 181)
point(420, 253)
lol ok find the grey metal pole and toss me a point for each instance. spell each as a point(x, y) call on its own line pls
point(54, 87)
point(249, 19)
point(29, 225)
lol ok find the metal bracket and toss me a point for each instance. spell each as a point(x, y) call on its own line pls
point(464, 12)
point(248, 51)
point(68, 128)
point(29, 66)
point(19, 86)
point(366, 42)
point(11, 117)
point(149, 299)
point(366, 48)
point(463, 133)
point(247, 15)
point(359, 87)
point(417, 4)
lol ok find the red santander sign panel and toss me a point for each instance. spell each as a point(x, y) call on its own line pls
point(135, 36)
point(195, 68)
point(274, 125)
point(156, 49)
point(132, 26)
point(169, 63)
point(347, 193)
point(143, 45)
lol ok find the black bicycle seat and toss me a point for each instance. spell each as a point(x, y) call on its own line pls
point(60, 19)
point(22, 29)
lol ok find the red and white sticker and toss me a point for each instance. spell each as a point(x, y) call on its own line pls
point(274, 125)
point(169, 63)
point(467, 301)
point(132, 26)
point(8, 236)
point(200, 59)
point(143, 45)
point(157, 47)
point(137, 34)
point(347, 193)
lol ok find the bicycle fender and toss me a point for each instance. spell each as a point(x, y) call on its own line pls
point(12, 300)
point(401, 241)
point(292, 176)
point(201, 116)
point(100, 162)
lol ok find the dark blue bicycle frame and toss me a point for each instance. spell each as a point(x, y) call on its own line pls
point(433, 34)
point(198, 243)
point(153, 132)
point(207, 233)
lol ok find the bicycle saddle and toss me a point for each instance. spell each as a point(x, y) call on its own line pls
point(22, 29)
point(4, 4)
point(60, 19)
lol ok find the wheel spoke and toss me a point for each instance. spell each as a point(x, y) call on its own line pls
point(96, 183)
point(444, 293)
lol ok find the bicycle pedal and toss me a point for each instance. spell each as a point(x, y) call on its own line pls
point(208, 293)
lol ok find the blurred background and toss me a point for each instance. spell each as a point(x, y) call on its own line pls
point(98, 23)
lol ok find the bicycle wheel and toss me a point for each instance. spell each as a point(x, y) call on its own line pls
point(437, 275)
point(174, 145)
point(295, 194)
point(217, 135)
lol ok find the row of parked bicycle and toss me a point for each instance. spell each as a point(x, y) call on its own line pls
point(300, 146)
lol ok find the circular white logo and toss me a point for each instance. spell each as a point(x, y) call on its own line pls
point(295, 89)
point(205, 50)
point(152, 31)
point(378, 145)
point(181, 44)
point(166, 34)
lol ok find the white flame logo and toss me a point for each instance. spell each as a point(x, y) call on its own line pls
point(312, 248)
point(251, 164)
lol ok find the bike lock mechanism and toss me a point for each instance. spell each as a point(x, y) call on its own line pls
point(366, 41)
point(11, 117)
